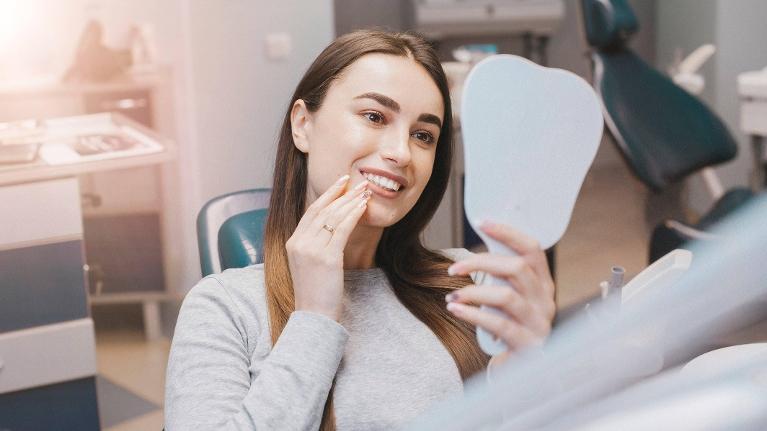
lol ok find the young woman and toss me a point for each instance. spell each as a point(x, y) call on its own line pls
point(351, 323)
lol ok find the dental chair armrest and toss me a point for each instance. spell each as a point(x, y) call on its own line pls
point(688, 231)
point(673, 234)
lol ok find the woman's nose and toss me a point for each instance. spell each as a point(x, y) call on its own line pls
point(396, 148)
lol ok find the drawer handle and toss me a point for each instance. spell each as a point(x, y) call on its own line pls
point(124, 104)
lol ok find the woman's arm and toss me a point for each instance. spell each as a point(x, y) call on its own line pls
point(208, 383)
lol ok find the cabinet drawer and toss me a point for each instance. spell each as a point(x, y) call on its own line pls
point(124, 253)
point(60, 407)
point(122, 191)
point(46, 355)
point(42, 284)
point(39, 212)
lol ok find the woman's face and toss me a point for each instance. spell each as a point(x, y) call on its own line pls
point(380, 121)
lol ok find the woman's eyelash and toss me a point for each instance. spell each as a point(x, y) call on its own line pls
point(378, 118)
point(429, 137)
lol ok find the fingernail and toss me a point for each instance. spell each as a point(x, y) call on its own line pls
point(361, 185)
point(454, 307)
point(450, 297)
point(362, 204)
point(342, 180)
point(483, 224)
point(452, 269)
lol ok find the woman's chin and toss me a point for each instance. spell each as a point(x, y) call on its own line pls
point(374, 217)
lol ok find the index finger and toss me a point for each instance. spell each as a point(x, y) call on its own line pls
point(525, 245)
point(322, 201)
point(513, 238)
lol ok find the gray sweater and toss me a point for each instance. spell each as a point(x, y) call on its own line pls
point(224, 374)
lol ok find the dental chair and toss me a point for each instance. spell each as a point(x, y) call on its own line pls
point(230, 230)
point(663, 133)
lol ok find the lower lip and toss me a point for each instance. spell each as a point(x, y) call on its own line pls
point(380, 191)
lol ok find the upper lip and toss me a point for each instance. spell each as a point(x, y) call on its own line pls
point(394, 177)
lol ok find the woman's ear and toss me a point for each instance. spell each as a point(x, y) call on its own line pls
point(300, 125)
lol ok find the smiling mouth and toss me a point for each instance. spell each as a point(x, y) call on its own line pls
point(382, 182)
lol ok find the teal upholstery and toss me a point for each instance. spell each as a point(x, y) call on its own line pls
point(241, 238)
point(670, 235)
point(663, 133)
point(230, 230)
point(609, 24)
point(734, 199)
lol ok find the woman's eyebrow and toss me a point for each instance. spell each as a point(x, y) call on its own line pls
point(430, 118)
point(383, 100)
point(394, 106)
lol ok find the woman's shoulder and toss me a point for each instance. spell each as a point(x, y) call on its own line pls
point(234, 282)
point(238, 293)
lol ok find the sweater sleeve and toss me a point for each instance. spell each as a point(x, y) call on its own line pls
point(208, 382)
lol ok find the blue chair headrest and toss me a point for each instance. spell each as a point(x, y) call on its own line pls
point(609, 23)
point(241, 239)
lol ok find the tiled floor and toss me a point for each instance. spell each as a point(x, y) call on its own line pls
point(607, 229)
point(137, 365)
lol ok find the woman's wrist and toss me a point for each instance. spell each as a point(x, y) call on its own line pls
point(332, 314)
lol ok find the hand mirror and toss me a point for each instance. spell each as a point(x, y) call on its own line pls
point(530, 134)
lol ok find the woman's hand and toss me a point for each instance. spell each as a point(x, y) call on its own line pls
point(316, 248)
point(528, 308)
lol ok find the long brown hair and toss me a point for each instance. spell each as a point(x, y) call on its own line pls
point(417, 275)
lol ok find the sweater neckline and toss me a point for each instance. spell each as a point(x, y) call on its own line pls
point(363, 274)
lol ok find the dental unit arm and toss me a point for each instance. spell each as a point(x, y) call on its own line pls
point(685, 73)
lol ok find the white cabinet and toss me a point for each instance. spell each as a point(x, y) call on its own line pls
point(47, 347)
point(122, 207)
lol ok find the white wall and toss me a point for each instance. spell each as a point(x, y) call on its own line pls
point(38, 37)
point(233, 98)
point(741, 34)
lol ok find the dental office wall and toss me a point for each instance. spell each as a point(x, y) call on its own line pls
point(738, 30)
point(50, 31)
point(233, 98)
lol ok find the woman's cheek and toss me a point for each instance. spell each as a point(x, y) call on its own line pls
point(364, 138)
point(425, 167)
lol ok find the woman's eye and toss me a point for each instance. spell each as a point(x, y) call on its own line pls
point(374, 117)
point(424, 136)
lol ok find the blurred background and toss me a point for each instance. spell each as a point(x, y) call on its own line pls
point(120, 119)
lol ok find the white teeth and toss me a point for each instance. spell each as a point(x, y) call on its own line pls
point(382, 181)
